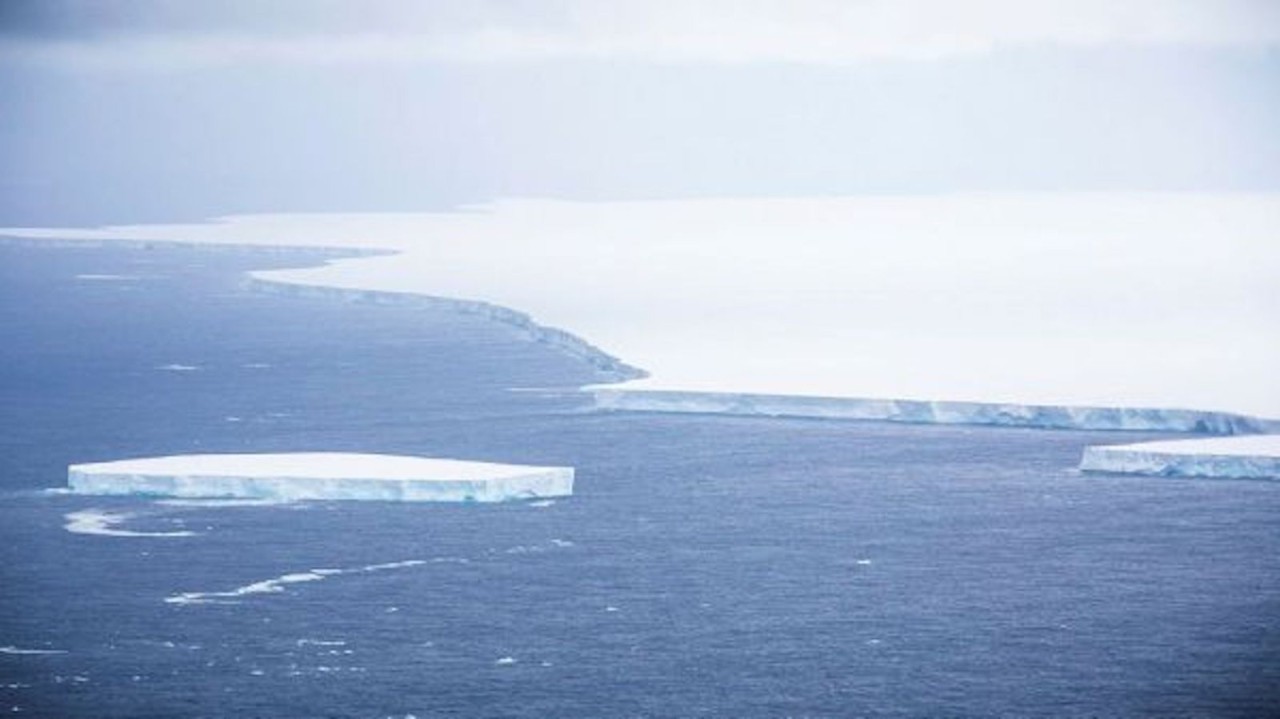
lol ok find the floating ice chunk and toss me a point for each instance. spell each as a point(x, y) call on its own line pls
point(320, 475)
point(1249, 457)
point(178, 367)
point(505, 661)
point(104, 523)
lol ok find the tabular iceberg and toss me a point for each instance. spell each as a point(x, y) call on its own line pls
point(320, 475)
point(1251, 457)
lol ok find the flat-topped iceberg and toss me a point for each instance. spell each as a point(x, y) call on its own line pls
point(1248, 457)
point(320, 475)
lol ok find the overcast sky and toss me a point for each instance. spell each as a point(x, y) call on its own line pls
point(133, 111)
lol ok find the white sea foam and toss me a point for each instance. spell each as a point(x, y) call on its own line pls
point(106, 523)
point(539, 548)
point(107, 278)
point(175, 367)
point(216, 503)
point(278, 584)
point(35, 652)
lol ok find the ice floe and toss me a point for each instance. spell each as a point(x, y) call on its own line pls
point(106, 523)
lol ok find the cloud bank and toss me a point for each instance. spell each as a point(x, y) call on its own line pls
point(165, 35)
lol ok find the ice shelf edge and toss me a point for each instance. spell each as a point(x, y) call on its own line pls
point(567, 342)
point(928, 412)
point(1130, 460)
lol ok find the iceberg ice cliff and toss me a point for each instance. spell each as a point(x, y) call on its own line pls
point(928, 412)
point(320, 475)
point(1252, 457)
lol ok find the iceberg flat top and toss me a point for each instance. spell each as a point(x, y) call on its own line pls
point(312, 465)
point(1092, 299)
point(320, 475)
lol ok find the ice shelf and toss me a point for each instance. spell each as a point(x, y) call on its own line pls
point(1014, 302)
point(1249, 457)
point(927, 412)
point(320, 475)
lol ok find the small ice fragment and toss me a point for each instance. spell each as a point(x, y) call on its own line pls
point(504, 661)
point(103, 523)
point(16, 650)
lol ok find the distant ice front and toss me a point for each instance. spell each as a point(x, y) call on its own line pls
point(320, 475)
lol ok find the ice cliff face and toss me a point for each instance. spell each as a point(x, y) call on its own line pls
point(1255, 457)
point(924, 412)
point(613, 368)
point(320, 475)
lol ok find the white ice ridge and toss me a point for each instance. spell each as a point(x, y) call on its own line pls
point(320, 475)
point(1102, 300)
point(1255, 457)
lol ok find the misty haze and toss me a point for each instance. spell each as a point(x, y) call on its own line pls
point(642, 358)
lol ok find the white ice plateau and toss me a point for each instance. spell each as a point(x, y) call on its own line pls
point(1100, 310)
point(320, 475)
point(1248, 457)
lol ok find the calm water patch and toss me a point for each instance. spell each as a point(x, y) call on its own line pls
point(706, 566)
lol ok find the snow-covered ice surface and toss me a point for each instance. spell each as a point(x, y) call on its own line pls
point(1249, 457)
point(315, 475)
point(1020, 305)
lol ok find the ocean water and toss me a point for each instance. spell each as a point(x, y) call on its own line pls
point(706, 567)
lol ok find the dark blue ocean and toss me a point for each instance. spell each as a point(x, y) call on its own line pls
point(706, 566)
